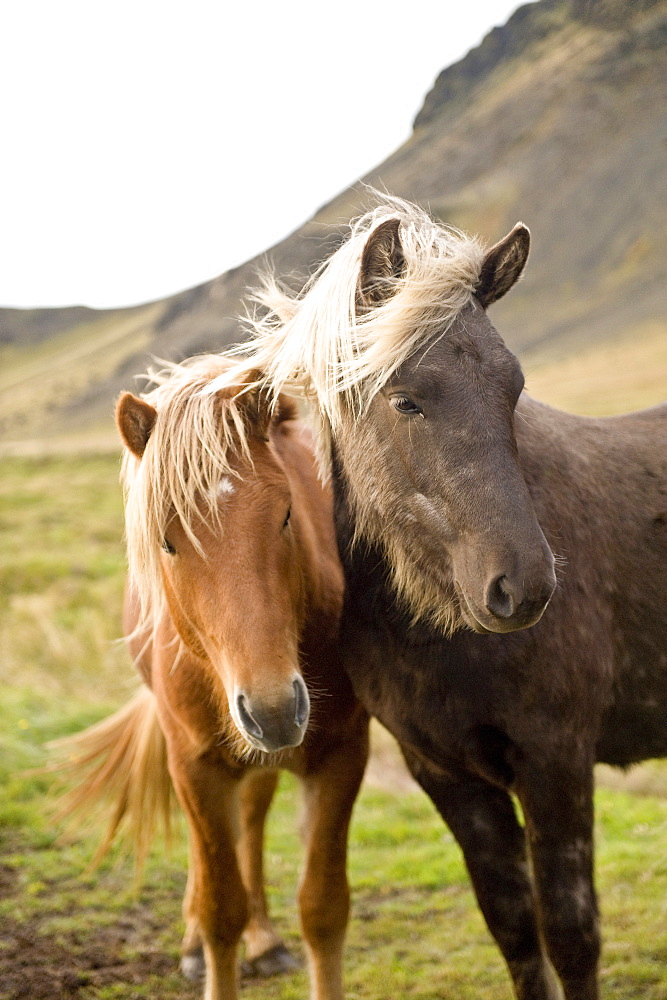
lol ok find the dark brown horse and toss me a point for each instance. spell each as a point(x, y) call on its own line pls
point(236, 593)
point(443, 473)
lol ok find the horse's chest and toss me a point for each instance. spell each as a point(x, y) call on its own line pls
point(427, 694)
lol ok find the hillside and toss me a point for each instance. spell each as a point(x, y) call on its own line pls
point(558, 118)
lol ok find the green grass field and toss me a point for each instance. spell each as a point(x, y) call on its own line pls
point(64, 932)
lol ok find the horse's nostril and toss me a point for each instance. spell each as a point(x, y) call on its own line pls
point(499, 599)
point(302, 702)
point(249, 724)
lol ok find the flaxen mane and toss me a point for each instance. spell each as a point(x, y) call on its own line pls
point(319, 344)
point(197, 440)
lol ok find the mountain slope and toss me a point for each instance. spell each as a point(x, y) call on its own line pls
point(558, 118)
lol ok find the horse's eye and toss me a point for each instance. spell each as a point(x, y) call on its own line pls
point(287, 517)
point(168, 547)
point(405, 405)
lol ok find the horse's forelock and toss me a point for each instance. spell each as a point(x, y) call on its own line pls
point(319, 344)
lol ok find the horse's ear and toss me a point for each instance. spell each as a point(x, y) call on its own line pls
point(503, 265)
point(256, 400)
point(381, 261)
point(135, 420)
point(285, 409)
point(259, 410)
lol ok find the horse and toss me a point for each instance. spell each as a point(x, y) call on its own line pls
point(506, 594)
point(232, 609)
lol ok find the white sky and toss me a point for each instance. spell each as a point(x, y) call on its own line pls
point(149, 145)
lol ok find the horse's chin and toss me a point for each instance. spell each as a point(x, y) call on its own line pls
point(247, 747)
point(467, 616)
point(469, 619)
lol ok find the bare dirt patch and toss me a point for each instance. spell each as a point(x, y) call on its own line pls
point(7, 881)
point(38, 967)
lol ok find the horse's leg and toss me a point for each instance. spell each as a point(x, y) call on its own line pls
point(330, 787)
point(558, 805)
point(193, 965)
point(265, 953)
point(483, 820)
point(216, 897)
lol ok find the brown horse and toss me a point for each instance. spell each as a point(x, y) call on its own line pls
point(442, 472)
point(236, 593)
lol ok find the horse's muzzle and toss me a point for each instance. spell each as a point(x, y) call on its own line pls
point(275, 724)
point(508, 603)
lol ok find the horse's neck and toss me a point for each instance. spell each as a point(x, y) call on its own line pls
point(323, 593)
point(313, 525)
point(321, 569)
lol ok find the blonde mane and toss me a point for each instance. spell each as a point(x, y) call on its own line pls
point(198, 439)
point(315, 342)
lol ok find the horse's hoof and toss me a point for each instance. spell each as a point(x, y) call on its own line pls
point(270, 963)
point(193, 966)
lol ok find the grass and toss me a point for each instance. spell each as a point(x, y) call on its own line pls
point(61, 576)
point(415, 930)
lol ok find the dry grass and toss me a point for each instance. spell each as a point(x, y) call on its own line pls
point(627, 374)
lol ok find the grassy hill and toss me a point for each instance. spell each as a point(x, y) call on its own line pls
point(558, 118)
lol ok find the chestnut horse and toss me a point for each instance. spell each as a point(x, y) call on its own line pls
point(445, 477)
point(236, 593)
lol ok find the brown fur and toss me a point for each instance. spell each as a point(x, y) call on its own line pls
point(250, 603)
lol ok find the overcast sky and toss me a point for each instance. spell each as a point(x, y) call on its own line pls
point(150, 145)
